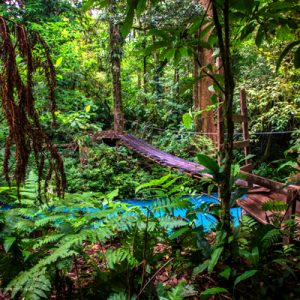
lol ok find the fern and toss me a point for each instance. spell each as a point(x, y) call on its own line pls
point(177, 292)
point(170, 222)
point(248, 222)
point(116, 257)
point(119, 296)
point(271, 237)
point(47, 239)
point(33, 284)
point(52, 220)
point(274, 206)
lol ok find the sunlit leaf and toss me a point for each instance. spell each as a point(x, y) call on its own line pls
point(58, 62)
point(87, 108)
point(187, 120)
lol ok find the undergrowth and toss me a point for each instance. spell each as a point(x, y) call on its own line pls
point(89, 245)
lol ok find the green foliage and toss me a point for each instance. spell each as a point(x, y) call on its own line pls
point(212, 291)
point(56, 236)
point(286, 51)
point(42, 245)
point(244, 276)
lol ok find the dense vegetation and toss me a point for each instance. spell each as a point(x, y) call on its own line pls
point(70, 69)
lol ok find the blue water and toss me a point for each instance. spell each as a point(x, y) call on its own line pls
point(205, 219)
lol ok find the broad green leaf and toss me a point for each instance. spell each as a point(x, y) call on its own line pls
point(210, 188)
point(285, 52)
point(212, 291)
point(184, 52)
point(199, 269)
point(213, 99)
point(255, 256)
point(196, 23)
point(169, 53)
point(226, 273)
point(140, 7)
point(214, 259)
point(287, 164)
point(112, 195)
point(157, 45)
point(87, 108)
point(179, 232)
point(244, 276)
point(58, 62)
point(210, 164)
point(247, 30)
point(8, 242)
point(205, 31)
point(279, 6)
point(128, 22)
point(163, 33)
point(153, 183)
point(187, 120)
point(259, 36)
point(87, 4)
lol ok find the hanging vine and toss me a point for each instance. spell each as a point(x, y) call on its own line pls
point(26, 135)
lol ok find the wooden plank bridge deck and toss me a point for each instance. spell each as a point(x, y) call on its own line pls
point(262, 189)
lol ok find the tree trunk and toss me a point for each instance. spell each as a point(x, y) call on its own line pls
point(115, 48)
point(224, 45)
point(201, 95)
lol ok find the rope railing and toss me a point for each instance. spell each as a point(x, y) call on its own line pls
point(147, 125)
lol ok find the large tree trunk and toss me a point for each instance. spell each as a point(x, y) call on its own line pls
point(224, 45)
point(115, 48)
point(201, 95)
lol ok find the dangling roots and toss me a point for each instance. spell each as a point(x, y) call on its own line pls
point(25, 132)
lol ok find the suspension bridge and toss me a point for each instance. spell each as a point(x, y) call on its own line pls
point(260, 189)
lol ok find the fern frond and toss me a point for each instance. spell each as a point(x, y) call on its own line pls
point(47, 239)
point(33, 284)
point(271, 237)
point(274, 205)
point(248, 222)
point(52, 220)
point(118, 296)
point(172, 222)
point(115, 257)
